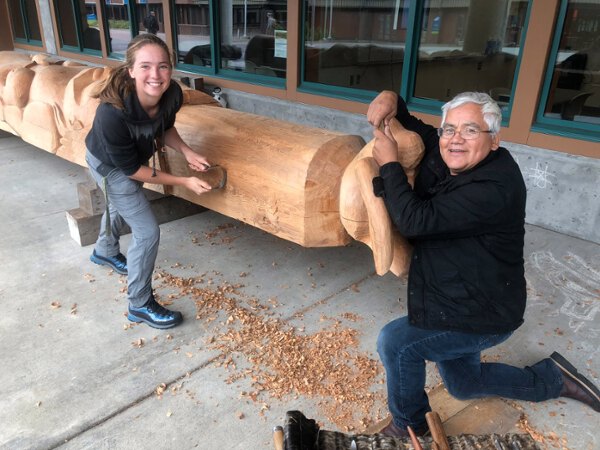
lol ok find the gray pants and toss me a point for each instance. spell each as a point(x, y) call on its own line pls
point(128, 205)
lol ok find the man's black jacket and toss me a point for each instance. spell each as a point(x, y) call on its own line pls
point(467, 271)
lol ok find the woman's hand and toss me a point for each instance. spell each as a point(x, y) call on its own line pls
point(195, 161)
point(385, 148)
point(383, 108)
point(196, 185)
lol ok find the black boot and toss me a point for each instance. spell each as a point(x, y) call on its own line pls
point(575, 385)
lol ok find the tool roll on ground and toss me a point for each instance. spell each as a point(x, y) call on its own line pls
point(301, 433)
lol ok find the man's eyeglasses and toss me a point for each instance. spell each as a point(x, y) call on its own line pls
point(466, 133)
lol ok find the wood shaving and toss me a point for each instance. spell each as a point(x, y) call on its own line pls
point(550, 439)
point(286, 361)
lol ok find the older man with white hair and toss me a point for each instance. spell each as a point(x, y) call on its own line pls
point(465, 217)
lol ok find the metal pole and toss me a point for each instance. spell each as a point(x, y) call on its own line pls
point(245, 17)
point(312, 20)
point(330, 18)
point(396, 12)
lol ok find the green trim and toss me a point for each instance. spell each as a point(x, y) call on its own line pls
point(133, 19)
point(555, 126)
point(343, 93)
point(215, 35)
point(411, 50)
point(551, 63)
point(25, 19)
point(78, 26)
point(251, 78)
point(70, 48)
point(27, 40)
point(202, 70)
point(507, 113)
point(32, 42)
point(302, 52)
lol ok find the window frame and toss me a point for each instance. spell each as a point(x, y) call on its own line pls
point(340, 92)
point(215, 69)
point(133, 26)
point(26, 26)
point(557, 126)
point(434, 107)
point(415, 14)
point(78, 31)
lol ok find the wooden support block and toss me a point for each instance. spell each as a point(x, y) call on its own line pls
point(84, 227)
point(444, 404)
point(486, 416)
point(91, 198)
point(477, 416)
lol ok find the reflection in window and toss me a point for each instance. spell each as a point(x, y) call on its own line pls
point(77, 28)
point(119, 27)
point(254, 37)
point(192, 22)
point(24, 19)
point(469, 46)
point(355, 44)
point(575, 87)
point(151, 18)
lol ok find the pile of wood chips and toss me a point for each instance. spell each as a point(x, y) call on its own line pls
point(546, 440)
point(285, 362)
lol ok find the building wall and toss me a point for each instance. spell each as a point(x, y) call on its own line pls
point(561, 171)
point(563, 190)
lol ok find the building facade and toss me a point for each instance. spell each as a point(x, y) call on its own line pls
point(320, 62)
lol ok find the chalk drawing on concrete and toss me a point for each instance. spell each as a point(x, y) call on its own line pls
point(538, 176)
point(578, 282)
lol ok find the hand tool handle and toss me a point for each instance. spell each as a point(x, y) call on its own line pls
point(278, 437)
point(415, 441)
point(437, 430)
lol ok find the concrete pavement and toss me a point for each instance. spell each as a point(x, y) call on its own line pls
point(76, 374)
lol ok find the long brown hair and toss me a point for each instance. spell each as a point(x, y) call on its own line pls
point(119, 83)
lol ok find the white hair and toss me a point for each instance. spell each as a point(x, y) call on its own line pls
point(492, 115)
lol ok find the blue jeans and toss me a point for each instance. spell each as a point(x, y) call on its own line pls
point(404, 348)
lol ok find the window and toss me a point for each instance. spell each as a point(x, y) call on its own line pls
point(572, 91)
point(152, 18)
point(253, 37)
point(193, 33)
point(251, 34)
point(427, 50)
point(24, 19)
point(78, 30)
point(355, 44)
point(119, 21)
point(469, 46)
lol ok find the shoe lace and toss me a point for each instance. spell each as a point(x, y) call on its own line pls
point(157, 308)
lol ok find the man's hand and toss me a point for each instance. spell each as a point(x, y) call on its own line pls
point(385, 148)
point(383, 108)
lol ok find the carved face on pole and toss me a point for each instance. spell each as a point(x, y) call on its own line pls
point(151, 72)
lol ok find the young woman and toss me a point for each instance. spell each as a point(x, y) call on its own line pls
point(136, 115)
